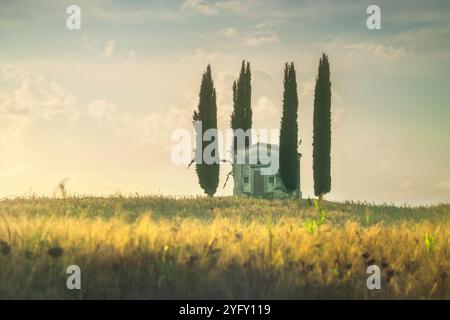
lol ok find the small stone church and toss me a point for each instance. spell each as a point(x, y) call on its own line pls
point(251, 179)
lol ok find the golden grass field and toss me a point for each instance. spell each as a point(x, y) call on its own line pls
point(220, 248)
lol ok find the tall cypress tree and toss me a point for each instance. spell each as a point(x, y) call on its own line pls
point(208, 174)
point(247, 88)
point(289, 161)
point(241, 118)
point(322, 130)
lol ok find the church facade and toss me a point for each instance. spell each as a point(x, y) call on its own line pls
point(253, 178)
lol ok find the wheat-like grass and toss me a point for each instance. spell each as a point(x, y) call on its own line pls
point(153, 247)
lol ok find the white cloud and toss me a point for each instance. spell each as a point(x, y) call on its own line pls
point(211, 8)
point(199, 6)
point(5, 101)
point(233, 6)
point(114, 13)
point(259, 38)
point(268, 23)
point(101, 109)
point(387, 52)
point(35, 97)
point(253, 39)
point(157, 125)
point(266, 106)
point(200, 55)
point(97, 47)
point(230, 33)
point(30, 98)
point(152, 128)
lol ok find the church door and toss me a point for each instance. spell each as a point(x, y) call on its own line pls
point(258, 183)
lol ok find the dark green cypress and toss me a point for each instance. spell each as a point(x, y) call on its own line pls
point(208, 174)
point(248, 98)
point(241, 118)
point(289, 161)
point(322, 130)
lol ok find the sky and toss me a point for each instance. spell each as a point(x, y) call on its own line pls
point(97, 106)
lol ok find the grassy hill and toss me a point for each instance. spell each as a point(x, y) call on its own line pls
point(160, 248)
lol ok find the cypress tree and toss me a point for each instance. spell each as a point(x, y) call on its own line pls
point(322, 130)
point(247, 98)
point(289, 161)
point(208, 174)
point(241, 118)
